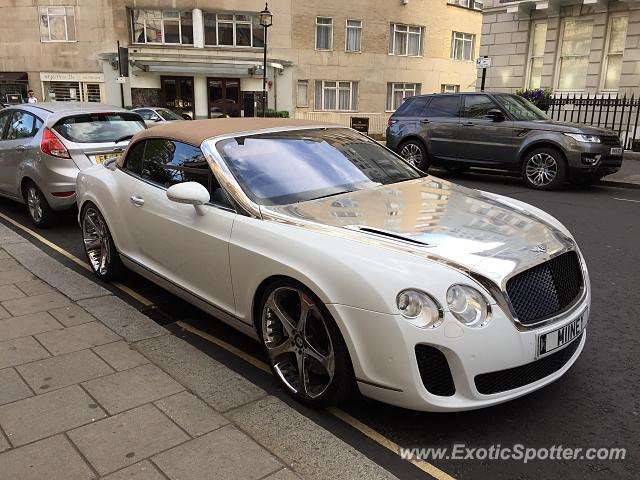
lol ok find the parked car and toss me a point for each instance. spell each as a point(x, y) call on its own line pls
point(350, 267)
point(44, 145)
point(501, 131)
point(155, 115)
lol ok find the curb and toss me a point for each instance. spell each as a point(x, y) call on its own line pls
point(611, 183)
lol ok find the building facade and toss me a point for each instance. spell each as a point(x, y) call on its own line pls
point(326, 60)
point(569, 46)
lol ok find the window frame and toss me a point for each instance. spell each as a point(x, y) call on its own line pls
point(607, 54)
point(559, 56)
point(353, 101)
point(66, 22)
point(346, 35)
point(443, 88)
point(393, 29)
point(298, 83)
point(34, 129)
point(530, 56)
point(468, 4)
point(162, 20)
point(391, 90)
point(325, 25)
point(463, 40)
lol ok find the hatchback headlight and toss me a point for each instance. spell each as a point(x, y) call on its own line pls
point(468, 305)
point(419, 308)
point(581, 137)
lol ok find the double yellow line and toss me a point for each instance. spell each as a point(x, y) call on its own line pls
point(341, 414)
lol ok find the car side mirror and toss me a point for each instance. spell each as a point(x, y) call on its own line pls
point(495, 115)
point(191, 193)
point(186, 116)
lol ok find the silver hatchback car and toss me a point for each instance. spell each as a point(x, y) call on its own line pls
point(43, 146)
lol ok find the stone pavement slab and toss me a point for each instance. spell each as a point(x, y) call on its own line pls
point(140, 471)
point(64, 370)
point(7, 264)
point(191, 413)
point(120, 355)
point(34, 287)
point(51, 459)
point(217, 385)
point(15, 276)
point(27, 325)
point(76, 338)
point(127, 438)
point(227, 451)
point(71, 315)
point(36, 303)
point(9, 292)
point(284, 474)
point(21, 350)
point(41, 416)
point(12, 387)
point(4, 444)
point(130, 388)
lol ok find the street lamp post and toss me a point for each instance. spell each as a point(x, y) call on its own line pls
point(266, 20)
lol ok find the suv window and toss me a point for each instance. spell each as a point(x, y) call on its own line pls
point(443, 106)
point(23, 125)
point(477, 106)
point(4, 120)
point(133, 162)
point(412, 107)
point(167, 162)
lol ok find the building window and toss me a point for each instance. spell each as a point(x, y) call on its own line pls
point(574, 54)
point(57, 24)
point(449, 88)
point(336, 96)
point(615, 50)
point(405, 40)
point(232, 30)
point(303, 93)
point(473, 4)
point(324, 33)
point(72, 91)
point(398, 92)
point(536, 54)
point(462, 46)
point(162, 27)
point(353, 36)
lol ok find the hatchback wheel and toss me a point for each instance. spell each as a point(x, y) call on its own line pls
point(305, 348)
point(414, 152)
point(98, 245)
point(544, 169)
point(38, 208)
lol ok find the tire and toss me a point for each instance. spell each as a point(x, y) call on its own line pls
point(99, 248)
point(415, 153)
point(285, 345)
point(40, 213)
point(544, 169)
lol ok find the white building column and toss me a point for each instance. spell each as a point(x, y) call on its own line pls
point(198, 28)
point(200, 95)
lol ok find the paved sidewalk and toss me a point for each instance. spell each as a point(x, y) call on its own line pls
point(629, 175)
point(90, 388)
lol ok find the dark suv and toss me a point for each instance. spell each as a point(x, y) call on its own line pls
point(501, 131)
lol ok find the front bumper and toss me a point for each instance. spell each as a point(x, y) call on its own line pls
point(592, 160)
point(383, 351)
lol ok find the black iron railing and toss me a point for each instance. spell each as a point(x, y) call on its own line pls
point(620, 114)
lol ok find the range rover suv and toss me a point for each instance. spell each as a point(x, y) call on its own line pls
point(503, 132)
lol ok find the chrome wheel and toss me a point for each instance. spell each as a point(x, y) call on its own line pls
point(541, 169)
point(34, 204)
point(297, 339)
point(412, 154)
point(96, 241)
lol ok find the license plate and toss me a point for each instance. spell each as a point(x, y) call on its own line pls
point(558, 338)
point(616, 151)
point(106, 156)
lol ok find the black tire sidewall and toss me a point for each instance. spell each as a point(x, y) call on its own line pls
point(425, 163)
point(48, 215)
point(561, 175)
point(115, 268)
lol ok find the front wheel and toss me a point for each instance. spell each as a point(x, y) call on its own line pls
point(98, 245)
point(306, 351)
point(544, 169)
point(415, 153)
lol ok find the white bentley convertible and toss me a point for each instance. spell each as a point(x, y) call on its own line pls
point(353, 269)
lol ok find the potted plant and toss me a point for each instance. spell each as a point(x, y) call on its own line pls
point(540, 97)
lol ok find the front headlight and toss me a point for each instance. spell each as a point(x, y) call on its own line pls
point(468, 305)
point(419, 308)
point(581, 137)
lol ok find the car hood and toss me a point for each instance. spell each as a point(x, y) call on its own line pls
point(557, 126)
point(468, 229)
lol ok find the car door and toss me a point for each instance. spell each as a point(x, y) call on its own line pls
point(16, 148)
point(439, 124)
point(483, 139)
point(169, 238)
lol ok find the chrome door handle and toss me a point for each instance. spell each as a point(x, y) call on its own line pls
point(21, 148)
point(137, 200)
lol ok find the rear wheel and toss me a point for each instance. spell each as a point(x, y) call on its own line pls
point(544, 169)
point(414, 152)
point(305, 348)
point(98, 245)
point(40, 213)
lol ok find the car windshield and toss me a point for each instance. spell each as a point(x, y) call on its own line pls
point(520, 108)
point(169, 115)
point(296, 166)
point(99, 127)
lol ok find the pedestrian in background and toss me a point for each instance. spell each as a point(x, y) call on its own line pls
point(31, 98)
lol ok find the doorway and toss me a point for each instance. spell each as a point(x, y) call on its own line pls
point(224, 97)
point(176, 93)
